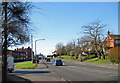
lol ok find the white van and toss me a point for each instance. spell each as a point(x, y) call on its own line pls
point(10, 63)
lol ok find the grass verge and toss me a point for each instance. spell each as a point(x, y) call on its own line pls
point(26, 65)
point(65, 57)
point(96, 60)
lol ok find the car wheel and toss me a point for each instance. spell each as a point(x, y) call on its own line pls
point(10, 71)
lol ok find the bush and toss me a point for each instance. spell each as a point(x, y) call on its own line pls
point(93, 56)
point(114, 54)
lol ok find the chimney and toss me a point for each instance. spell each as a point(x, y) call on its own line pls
point(22, 47)
point(108, 33)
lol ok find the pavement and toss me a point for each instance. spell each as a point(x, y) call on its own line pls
point(41, 73)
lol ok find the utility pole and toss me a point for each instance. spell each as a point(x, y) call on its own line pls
point(78, 43)
point(32, 47)
point(79, 50)
point(74, 44)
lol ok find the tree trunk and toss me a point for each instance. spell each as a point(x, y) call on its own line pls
point(103, 56)
point(68, 54)
point(98, 53)
point(4, 77)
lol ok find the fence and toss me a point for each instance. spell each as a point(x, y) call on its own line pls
point(114, 54)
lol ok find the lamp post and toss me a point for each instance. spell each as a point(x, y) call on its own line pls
point(35, 45)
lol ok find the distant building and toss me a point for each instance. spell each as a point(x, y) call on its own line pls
point(112, 40)
point(54, 54)
point(28, 51)
point(19, 55)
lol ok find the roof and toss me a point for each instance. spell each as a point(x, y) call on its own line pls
point(115, 36)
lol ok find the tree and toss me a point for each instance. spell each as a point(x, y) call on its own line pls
point(85, 42)
point(69, 47)
point(17, 15)
point(95, 30)
point(60, 49)
point(14, 27)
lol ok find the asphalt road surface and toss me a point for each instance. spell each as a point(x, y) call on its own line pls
point(68, 73)
point(78, 72)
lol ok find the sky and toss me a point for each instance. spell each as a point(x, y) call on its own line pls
point(61, 21)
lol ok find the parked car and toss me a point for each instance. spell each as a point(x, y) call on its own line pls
point(58, 62)
point(34, 60)
point(48, 59)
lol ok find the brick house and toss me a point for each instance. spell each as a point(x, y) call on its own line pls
point(26, 50)
point(19, 55)
point(112, 40)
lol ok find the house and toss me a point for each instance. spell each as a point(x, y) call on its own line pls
point(19, 55)
point(28, 51)
point(112, 40)
point(54, 54)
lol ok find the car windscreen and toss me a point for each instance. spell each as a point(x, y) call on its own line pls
point(58, 60)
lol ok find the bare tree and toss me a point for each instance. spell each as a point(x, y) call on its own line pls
point(95, 30)
point(85, 39)
point(69, 47)
point(60, 48)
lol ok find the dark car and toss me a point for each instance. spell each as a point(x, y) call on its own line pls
point(58, 62)
point(34, 61)
point(48, 59)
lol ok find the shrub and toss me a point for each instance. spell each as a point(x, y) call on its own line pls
point(93, 56)
point(114, 54)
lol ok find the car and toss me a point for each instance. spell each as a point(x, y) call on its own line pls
point(34, 60)
point(58, 62)
point(48, 59)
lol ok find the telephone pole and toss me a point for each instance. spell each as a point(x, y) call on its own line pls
point(32, 47)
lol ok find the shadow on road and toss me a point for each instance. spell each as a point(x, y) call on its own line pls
point(16, 79)
point(30, 72)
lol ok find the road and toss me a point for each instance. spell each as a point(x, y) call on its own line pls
point(70, 72)
point(78, 72)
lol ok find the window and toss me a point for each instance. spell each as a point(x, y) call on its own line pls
point(117, 41)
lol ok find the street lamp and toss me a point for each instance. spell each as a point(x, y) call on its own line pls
point(35, 45)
